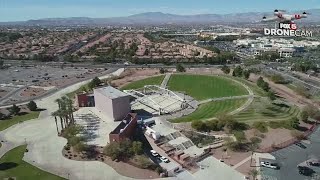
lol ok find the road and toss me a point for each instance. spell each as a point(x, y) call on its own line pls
point(106, 65)
point(299, 80)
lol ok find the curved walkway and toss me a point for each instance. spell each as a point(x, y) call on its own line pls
point(45, 147)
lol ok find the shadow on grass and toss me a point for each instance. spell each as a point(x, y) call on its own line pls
point(40, 109)
point(7, 165)
point(301, 128)
point(281, 105)
point(22, 113)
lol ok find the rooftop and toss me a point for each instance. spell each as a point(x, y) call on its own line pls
point(111, 92)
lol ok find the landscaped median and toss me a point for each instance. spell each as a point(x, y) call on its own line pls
point(12, 166)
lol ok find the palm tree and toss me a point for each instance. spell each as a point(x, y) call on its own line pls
point(59, 102)
point(65, 111)
point(69, 108)
point(252, 148)
point(253, 173)
point(55, 118)
point(67, 102)
point(60, 114)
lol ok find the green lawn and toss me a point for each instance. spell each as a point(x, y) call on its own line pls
point(4, 124)
point(12, 165)
point(212, 109)
point(156, 80)
point(203, 87)
point(262, 110)
point(253, 86)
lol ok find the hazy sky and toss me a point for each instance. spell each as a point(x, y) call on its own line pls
point(14, 10)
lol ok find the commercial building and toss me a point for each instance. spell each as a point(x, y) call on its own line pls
point(285, 47)
point(112, 102)
point(125, 129)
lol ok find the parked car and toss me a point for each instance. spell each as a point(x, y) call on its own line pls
point(300, 145)
point(314, 163)
point(154, 153)
point(269, 165)
point(164, 159)
point(305, 170)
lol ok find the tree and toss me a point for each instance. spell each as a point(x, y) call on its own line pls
point(94, 83)
point(119, 150)
point(214, 125)
point(262, 84)
point(253, 173)
point(162, 71)
point(199, 125)
point(271, 95)
point(260, 81)
point(265, 86)
point(225, 69)
point(2, 116)
point(146, 52)
point(237, 71)
point(14, 110)
point(294, 122)
point(137, 147)
point(54, 114)
point(231, 124)
point(180, 68)
point(246, 74)
point(32, 106)
point(240, 136)
point(304, 116)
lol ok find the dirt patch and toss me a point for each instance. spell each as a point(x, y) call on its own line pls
point(204, 71)
point(273, 136)
point(31, 92)
point(130, 75)
point(229, 157)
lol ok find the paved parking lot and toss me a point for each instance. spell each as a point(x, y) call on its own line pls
point(288, 159)
point(23, 75)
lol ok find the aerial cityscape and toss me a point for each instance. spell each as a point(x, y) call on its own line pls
point(172, 90)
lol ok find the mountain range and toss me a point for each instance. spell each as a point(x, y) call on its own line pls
point(158, 18)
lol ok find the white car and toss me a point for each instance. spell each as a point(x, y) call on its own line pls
point(269, 165)
point(164, 159)
point(154, 153)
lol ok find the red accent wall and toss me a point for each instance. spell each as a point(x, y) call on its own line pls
point(127, 132)
point(82, 100)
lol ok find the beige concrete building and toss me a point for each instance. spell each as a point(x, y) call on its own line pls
point(112, 102)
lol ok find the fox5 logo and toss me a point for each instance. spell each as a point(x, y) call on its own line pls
point(291, 26)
